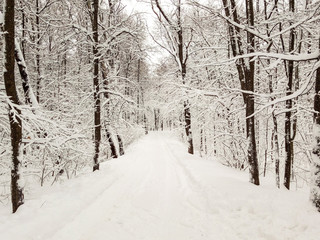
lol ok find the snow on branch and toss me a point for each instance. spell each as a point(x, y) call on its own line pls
point(289, 57)
point(269, 39)
point(303, 90)
point(117, 94)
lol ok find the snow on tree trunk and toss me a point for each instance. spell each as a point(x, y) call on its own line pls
point(121, 149)
point(38, 48)
point(315, 167)
point(246, 76)
point(97, 107)
point(288, 122)
point(188, 130)
point(17, 196)
point(114, 153)
point(30, 98)
point(180, 53)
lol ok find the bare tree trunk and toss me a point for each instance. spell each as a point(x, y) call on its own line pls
point(246, 77)
point(187, 113)
point(121, 148)
point(187, 117)
point(274, 135)
point(17, 196)
point(23, 31)
point(252, 151)
point(276, 149)
point(104, 71)
point(145, 124)
point(266, 150)
point(38, 50)
point(182, 57)
point(288, 139)
point(201, 141)
point(28, 93)
point(113, 148)
point(96, 96)
point(138, 93)
point(315, 168)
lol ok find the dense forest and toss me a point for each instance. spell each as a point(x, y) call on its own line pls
point(237, 80)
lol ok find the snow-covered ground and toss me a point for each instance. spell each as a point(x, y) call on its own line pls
point(157, 191)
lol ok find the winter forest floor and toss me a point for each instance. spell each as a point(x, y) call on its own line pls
point(158, 191)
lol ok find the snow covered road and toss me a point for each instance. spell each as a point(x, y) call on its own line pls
point(159, 192)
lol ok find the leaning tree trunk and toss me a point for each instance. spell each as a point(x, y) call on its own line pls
point(315, 169)
point(113, 148)
point(14, 118)
point(96, 97)
point(121, 148)
point(104, 72)
point(29, 96)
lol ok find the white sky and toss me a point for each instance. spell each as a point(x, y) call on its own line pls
point(144, 7)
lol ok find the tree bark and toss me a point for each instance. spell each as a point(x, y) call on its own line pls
point(113, 148)
point(121, 148)
point(288, 124)
point(96, 96)
point(38, 50)
point(180, 52)
point(28, 93)
point(104, 71)
point(315, 168)
point(17, 197)
point(183, 65)
point(274, 136)
point(246, 77)
point(145, 124)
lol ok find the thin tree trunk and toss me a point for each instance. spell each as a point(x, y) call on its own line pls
point(113, 148)
point(182, 60)
point(288, 139)
point(145, 124)
point(38, 50)
point(138, 93)
point(266, 150)
point(96, 96)
point(201, 141)
point(28, 93)
point(187, 117)
point(104, 71)
point(17, 196)
point(274, 136)
point(121, 148)
point(23, 18)
point(187, 113)
point(252, 150)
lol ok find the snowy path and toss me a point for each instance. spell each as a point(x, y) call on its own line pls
point(157, 191)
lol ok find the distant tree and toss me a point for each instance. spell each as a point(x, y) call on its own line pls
point(178, 48)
